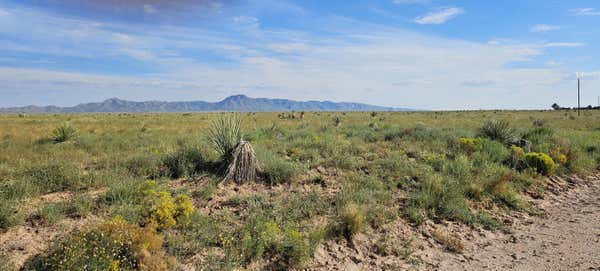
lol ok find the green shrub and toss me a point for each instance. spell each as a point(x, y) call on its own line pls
point(54, 177)
point(184, 162)
point(46, 215)
point(224, 134)
point(295, 248)
point(18, 189)
point(283, 248)
point(8, 215)
point(442, 198)
point(259, 238)
point(64, 132)
point(436, 161)
point(145, 166)
point(498, 130)
point(541, 162)
point(114, 245)
point(126, 191)
point(492, 151)
point(274, 169)
point(460, 168)
point(539, 135)
point(79, 206)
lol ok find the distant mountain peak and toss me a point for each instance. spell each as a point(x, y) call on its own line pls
point(113, 100)
point(238, 97)
point(236, 103)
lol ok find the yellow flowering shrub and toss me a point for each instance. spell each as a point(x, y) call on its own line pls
point(183, 209)
point(163, 211)
point(559, 155)
point(113, 245)
point(541, 162)
point(469, 145)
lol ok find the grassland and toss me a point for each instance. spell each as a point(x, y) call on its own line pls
point(147, 186)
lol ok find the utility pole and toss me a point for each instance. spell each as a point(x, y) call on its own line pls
point(578, 94)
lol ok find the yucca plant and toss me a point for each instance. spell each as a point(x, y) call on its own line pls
point(63, 133)
point(225, 134)
point(498, 130)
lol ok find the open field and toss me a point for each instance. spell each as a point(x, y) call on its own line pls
point(336, 191)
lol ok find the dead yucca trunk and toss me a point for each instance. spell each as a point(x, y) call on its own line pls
point(244, 165)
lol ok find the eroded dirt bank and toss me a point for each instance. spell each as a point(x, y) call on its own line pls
point(566, 238)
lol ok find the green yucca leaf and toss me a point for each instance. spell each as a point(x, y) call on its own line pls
point(224, 134)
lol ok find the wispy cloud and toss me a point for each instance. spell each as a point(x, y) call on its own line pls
point(4, 12)
point(149, 9)
point(544, 28)
point(354, 58)
point(563, 44)
point(585, 12)
point(247, 21)
point(591, 75)
point(439, 17)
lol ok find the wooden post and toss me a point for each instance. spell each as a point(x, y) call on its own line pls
point(578, 96)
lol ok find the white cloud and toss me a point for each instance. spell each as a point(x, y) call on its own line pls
point(359, 62)
point(544, 28)
point(563, 44)
point(139, 54)
point(288, 47)
point(585, 12)
point(591, 75)
point(439, 17)
point(247, 21)
point(149, 9)
point(4, 13)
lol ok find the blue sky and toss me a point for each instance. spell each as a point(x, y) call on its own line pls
point(425, 54)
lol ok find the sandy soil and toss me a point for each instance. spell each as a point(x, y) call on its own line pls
point(566, 238)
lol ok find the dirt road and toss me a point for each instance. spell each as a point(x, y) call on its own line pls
point(567, 238)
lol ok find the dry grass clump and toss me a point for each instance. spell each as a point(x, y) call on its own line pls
point(451, 241)
point(244, 166)
point(349, 221)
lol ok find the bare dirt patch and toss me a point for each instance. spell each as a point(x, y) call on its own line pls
point(566, 237)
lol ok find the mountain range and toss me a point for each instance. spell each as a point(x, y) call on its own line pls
point(236, 103)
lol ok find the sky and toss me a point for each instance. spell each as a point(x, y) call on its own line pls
point(424, 54)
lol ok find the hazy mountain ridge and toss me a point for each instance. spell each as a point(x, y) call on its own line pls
point(238, 103)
